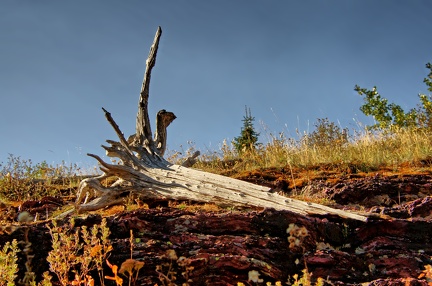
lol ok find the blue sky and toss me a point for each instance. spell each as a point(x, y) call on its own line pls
point(290, 62)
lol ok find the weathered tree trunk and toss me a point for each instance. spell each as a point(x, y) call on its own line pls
point(144, 170)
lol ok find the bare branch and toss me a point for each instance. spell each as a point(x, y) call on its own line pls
point(143, 128)
point(190, 161)
point(117, 130)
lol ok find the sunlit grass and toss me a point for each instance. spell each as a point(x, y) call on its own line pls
point(364, 150)
point(21, 179)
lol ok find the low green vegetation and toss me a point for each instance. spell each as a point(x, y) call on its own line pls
point(8, 263)
point(79, 252)
point(21, 179)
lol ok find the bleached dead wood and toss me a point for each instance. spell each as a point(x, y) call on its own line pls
point(143, 170)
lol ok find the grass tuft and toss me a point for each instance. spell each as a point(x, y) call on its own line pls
point(364, 151)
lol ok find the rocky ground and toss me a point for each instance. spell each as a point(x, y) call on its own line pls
point(184, 245)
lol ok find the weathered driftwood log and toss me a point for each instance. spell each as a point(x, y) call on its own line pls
point(143, 170)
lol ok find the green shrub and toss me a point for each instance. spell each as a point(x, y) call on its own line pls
point(21, 179)
point(391, 115)
point(78, 251)
point(8, 263)
point(326, 134)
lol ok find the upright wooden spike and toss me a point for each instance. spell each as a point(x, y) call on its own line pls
point(143, 129)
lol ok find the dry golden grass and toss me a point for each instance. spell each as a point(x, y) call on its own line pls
point(363, 152)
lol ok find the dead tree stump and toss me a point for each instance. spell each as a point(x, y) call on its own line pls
point(143, 170)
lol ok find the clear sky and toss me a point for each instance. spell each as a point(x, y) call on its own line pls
point(290, 61)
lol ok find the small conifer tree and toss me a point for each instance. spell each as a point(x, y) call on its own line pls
point(247, 141)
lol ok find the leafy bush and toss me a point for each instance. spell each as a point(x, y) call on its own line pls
point(8, 263)
point(326, 134)
point(390, 115)
point(21, 179)
point(78, 251)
